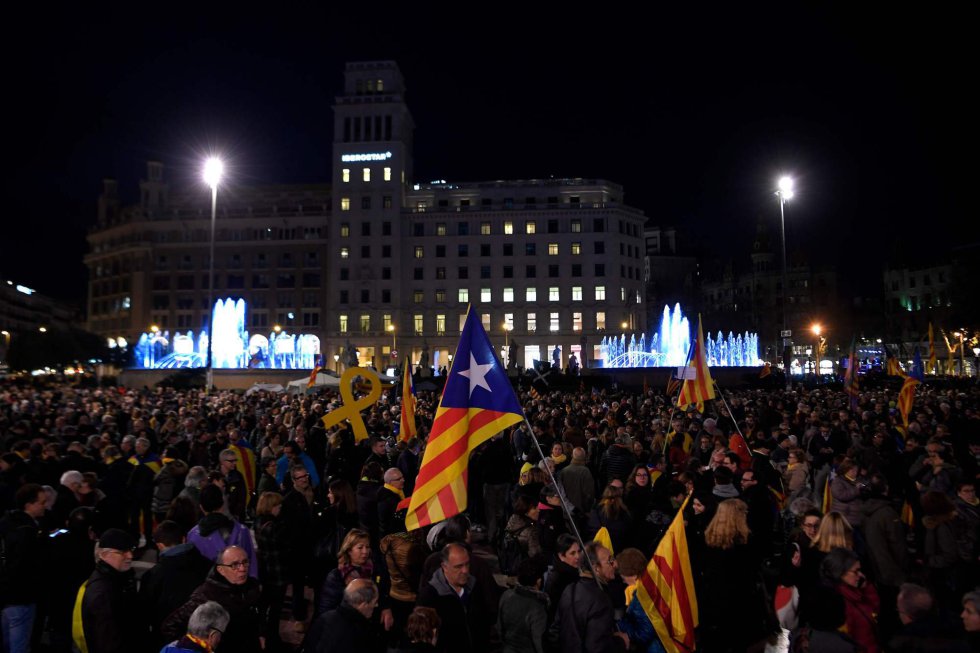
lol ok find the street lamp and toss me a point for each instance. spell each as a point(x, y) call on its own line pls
point(816, 328)
point(42, 329)
point(336, 362)
point(213, 169)
point(784, 192)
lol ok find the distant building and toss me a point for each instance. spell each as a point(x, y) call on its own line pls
point(670, 276)
point(376, 261)
point(23, 309)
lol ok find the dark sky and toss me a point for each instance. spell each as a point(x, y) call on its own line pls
point(695, 111)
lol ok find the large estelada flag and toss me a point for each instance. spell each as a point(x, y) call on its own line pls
point(407, 429)
point(665, 590)
point(698, 386)
point(477, 403)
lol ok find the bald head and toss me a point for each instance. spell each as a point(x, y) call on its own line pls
point(578, 455)
point(362, 595)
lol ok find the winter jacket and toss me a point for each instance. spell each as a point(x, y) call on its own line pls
point(343, 630)
point(941, 550)
point(404, 558)
point(579, 486)
point(167, 585)
point(797, 479)
point(861, 605)
point(636, 625)
point(215, 531)
point(846, 499)
point(585, 622)
point(110, 616)
point(617, 462)
point(22, 547)
point(270, 539)
point(183, 645)
point(522, 619)
point(559, 576)
point(167, 484)
point(887, 549)
point(466, 619)
point(241, 602)
point(525, 531)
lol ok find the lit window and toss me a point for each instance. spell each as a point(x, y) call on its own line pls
point(344, 230)
point(532, 322)
point(622, 294)
point(531, 294)
point(418, 296)
point(484, 228)
point(343, 324)
point(365, 323)
point(440, 325)
point(530, 227)
point(509, 321)
point(637, 296)
point(387, 173)
point(600, 293)
point(462, 321)
point(552, 249)
point(419, 251)
point(419, 322)
point(576, 293)
point(576, 226)
point(485, 295)
point(420, 207)
point(464, 295)
point(485, 319)
point(508, 227)
point(440, 296)
point(366, 174)
point(576, 321)
point(553, 322)
point(345, 175)
point(387, 321)
point(553, 294)
point(576, 249)
point(345, 204)
point(508, 294)
point(344, 252)
point(600, 320)
point(440, 228)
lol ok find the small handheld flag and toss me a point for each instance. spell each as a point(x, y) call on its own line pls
point(700, 388)
point(407, 429)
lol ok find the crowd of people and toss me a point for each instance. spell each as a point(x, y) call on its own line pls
point(806, 514)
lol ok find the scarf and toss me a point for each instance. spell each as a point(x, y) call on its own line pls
point(392, 488)
point(353, 572)
point(559, 459)
point(200, 642)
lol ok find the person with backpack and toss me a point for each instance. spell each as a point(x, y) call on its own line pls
point(520, 540)
point(216, 531)
point(21, 545)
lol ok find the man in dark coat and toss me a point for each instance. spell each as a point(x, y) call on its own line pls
point(68, 561)
point(111, 621)
point(453, 593)
point(349, 626)
point(585, 619)
point(229, 585)
point(389, 496)
point(20, 574)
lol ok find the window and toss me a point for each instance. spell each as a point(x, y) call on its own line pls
point(463, 273)
point(418, 296)
point(440, 273)
point(365, 296)
point(440, 296)
point(552, 226)
point(345, 204)
point(508, 272)
point(484, 271)
point(532, 322)
point(462, 228)
point(387, 174)
point(484, 228)
point(440, 251)
point(598, 225)
point(344, 276)
point(576, 226)
point(485, 319)
point(441, 325)
point(366, 202)
point(365, 323)
point(576, 269)
point(576, 293)
point(365, 251)
point(311, 260)
point(530, 249)
point(386, 251)
point(622, 294)
point(530, 271)
point(552, 271)
point(462, 251)
point(553, 322)
point(365, 228)
point(508, 294)
point(345, 175)
point(344, 230)
point(600, 293)
point(508, 249)
point(385, 273)
point(418, 229)
point(462, 321)
point(552, 249)
point(599, 247)
point(386, 202)
point(554, 294)
point(343, 323)
point(311, 319)
point(576, 249)
point(418, 321)
point(600, 320)
point(419, 251)
point(418, 274)
point(386, 322)
point(576, 321)
point(530, 227)
point(344, 252)
point(385, 296)
point(440, 228)
point(600, 269)
point(485, 295)
point(508, 227)
point(366, 174)
point(311, 280)
point(463, 295)
point(531, 294)
point(485, 249)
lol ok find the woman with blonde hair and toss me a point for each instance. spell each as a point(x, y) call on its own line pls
point(354, 560)
point(731, 568)
point(797, 474)
point(834, 532)
point(612, 514)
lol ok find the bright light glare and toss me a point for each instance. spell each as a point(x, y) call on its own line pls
point(816, 329)
point(786, 188)
point(213, 169)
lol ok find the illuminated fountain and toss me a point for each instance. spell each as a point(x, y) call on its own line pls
point(669, 346)
point(232, 348)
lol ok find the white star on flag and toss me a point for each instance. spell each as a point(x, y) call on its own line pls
point(477, 374)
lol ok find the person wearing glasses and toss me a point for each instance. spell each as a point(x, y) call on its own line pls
point(841, 569)
point(204, 630)
point(230, 585)
point(389, 496)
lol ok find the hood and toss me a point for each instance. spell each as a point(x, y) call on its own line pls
point(726, 491)
point(874, 504)
point(532, 593)
point(181, 553)
point(213, 522)
point(443, 587)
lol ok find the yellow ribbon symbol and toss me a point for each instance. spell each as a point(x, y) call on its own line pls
point(351, 408)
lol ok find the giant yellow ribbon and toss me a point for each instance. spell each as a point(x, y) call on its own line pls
point(351, 407)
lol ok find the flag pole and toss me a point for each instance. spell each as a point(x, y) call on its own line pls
point(673, 404)
point(732, 415)
point(561, 497)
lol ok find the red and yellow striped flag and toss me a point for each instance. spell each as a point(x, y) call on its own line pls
point(905, 398)
point(700, 388)
point(477, 402)
point(407, 428)
point(665, 590)
point(827, 499)
point(933, 363)
point(907, 517)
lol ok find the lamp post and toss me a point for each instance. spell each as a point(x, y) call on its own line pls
point(816, 352)
point(213, 169)
point(336, 363)
point(961, 333)
point(784, 192)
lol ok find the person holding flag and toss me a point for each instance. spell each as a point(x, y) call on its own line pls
point(478, 401)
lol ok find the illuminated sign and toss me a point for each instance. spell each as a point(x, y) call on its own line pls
point(24, 289)
point(367, 156)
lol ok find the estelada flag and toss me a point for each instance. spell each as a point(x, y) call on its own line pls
point(905, 397)
point(316, 370)
point(700, 388)
point(477, 403)
point(933, 363)
point(245, 464)
point(665, 590)
point(407, 426)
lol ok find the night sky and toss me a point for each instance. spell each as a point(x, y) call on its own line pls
point(695, 112)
